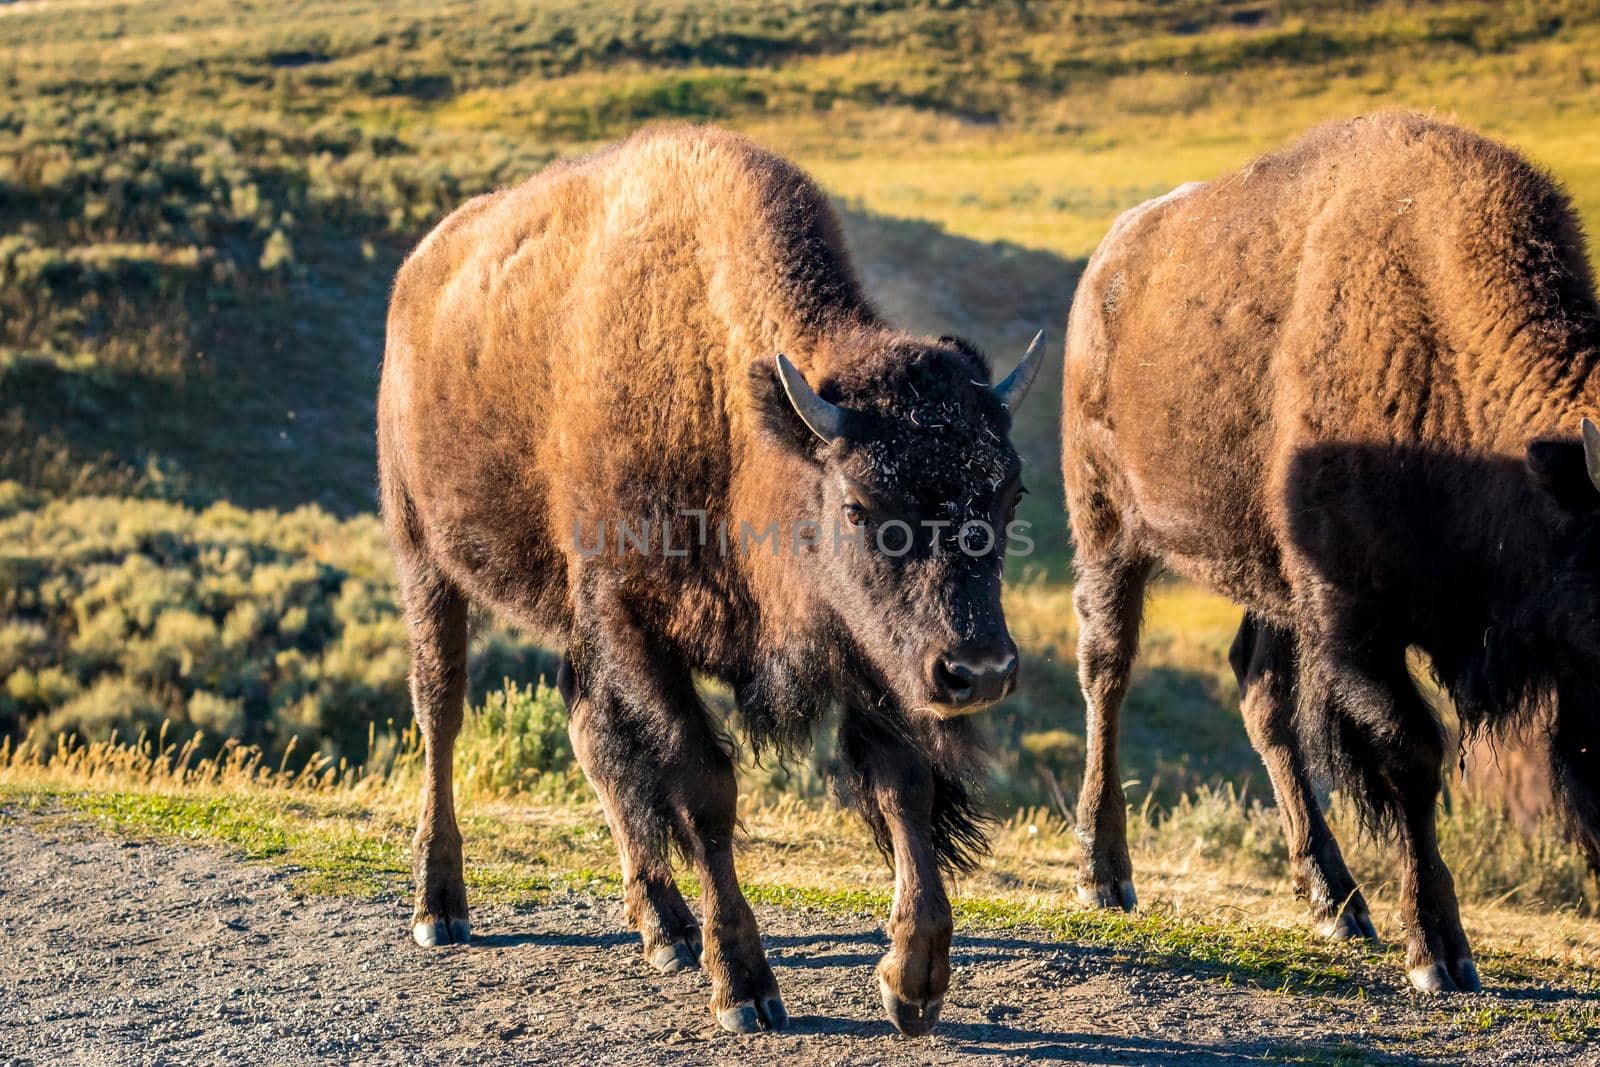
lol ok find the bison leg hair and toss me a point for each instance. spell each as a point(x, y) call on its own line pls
point(1263, 659)
point(651, 900)
point(436, 615)
point(1386, 742)
point(648, 747)
point(1109, 600)
point(894, 787)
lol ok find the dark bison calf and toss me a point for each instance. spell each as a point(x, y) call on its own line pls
point(1344, 387)
point(585, 424)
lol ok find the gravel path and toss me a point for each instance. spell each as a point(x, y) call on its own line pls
point(117, 952)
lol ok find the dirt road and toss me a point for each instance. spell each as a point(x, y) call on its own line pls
point(115, 952)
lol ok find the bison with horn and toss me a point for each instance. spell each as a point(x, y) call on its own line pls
point(585, 424)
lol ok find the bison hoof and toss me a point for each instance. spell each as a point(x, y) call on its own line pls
point(1465, 974)
point(1349, 926)
point(740, 1019)
point(773, 1013)
point(1432, 978)
point(431, 933)
point(750, 1016)
point(673, 958)
point(1109, 895)
point(914, 1018)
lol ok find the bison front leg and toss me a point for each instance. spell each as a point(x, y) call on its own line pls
point(650, 896)
point(1109, 600)
point(648, 747)
point(894, 788)
point(1264, 662)
point(436, 614)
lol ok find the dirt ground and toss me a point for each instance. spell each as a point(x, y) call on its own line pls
point(120, 952)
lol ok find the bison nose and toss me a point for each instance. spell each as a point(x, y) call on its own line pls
point(974, 674)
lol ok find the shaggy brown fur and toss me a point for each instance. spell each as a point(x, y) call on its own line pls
point(1343, 386)
point(582, 425)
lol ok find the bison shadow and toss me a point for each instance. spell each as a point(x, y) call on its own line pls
point(1057, 967)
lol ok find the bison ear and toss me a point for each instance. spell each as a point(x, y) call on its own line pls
point(1591, 452)
point(1564, 470)
point(776, 415)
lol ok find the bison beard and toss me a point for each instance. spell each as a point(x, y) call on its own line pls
point(873, 748)
point(672, 328)
point(1345, 387)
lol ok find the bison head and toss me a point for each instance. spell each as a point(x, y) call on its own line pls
point(913, 491)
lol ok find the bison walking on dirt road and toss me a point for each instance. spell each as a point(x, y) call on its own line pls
point(1344, 386)
point(585, 424)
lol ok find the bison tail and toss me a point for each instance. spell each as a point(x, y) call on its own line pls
point(1380, 747)
point(1341, 753)
point(1575, 772)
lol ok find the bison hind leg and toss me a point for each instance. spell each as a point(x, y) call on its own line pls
point(1264, 662)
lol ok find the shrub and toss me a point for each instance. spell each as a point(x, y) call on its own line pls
point(277, 257)
point(1219, 825)
point(113, 708)
point(517, 742)
point(259, 626)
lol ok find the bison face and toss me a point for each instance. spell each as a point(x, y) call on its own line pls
point(912, 500)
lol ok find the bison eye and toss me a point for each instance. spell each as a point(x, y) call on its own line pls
point(855, 514)
point(1011, 510)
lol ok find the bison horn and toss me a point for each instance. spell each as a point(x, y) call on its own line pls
point(1591, 451)
point(827, 421)
point(1015, 387)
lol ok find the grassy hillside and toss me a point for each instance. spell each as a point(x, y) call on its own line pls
point(202, 204)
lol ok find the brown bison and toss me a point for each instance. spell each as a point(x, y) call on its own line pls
point(1344, 386)
point(584, 424)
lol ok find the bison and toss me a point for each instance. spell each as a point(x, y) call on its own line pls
point(1348, 387)
point(585, 424)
